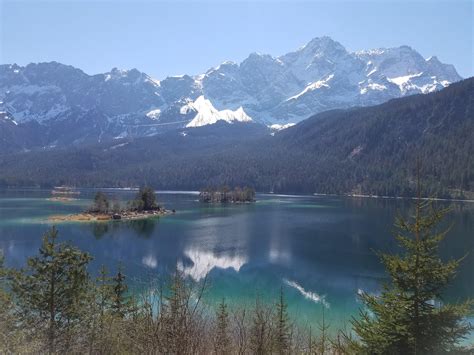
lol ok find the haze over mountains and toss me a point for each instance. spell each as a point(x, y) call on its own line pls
point(49, 105)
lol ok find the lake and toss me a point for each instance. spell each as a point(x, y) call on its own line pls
point(320, 249)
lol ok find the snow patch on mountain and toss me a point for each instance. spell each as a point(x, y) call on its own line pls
point(4, 115)
point(279, 127)
point(403, 80)
point(313, 86)
point(371, 86)
point(154, 114)
point(207, 114)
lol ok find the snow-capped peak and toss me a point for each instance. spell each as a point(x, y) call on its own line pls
point(207, 114)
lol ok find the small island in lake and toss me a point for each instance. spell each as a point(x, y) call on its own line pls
point(102, 209)
point(227, 195)
point(63, 194)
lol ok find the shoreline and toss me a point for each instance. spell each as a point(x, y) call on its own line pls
point(402, 197)
point(104, 217)
point(191, 192)
point(62, 199)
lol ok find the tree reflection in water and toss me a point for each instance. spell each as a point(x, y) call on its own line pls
point(142, 227)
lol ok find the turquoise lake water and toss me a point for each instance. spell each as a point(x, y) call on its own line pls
point(319, 249)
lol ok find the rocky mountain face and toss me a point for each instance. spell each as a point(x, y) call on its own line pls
point(67, 106)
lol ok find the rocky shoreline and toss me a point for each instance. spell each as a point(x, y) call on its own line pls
point(103, 217)
point(61, 199)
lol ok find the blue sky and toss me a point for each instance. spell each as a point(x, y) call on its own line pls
point(175, 37)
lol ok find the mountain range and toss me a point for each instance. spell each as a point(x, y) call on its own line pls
point(50, 105)
point(367, 150)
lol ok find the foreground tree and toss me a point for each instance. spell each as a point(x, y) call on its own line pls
point(281, 336)
point(222, 339)
point(260, 329)
point(11, 339)
point(409, 317)
point(51, 292)
point(122, 304)
point(183, 324)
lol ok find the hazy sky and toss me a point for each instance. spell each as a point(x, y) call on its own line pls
point(175, 37)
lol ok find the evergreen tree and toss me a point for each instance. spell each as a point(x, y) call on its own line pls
point(260, 341)
point(50, 292)
point(122, 304)
point(175, 314)
point(102, 322)
point(9, 337)
point(147, 197)
point(101, 203)
point(105, 290)
point(324, 341)
point(409, 316)
point(222, 338)
point(281, 336)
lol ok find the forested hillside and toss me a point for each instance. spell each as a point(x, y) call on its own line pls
point(370, 150)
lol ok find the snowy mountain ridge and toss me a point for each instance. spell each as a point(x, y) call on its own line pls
point(319, 76)
point(207, 114)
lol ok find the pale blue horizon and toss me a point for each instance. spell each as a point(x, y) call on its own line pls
point(167, 38)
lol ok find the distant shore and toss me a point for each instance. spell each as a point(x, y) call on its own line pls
point(397, 197)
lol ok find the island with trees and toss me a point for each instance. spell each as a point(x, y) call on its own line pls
point(226, 195)
point(144, 205)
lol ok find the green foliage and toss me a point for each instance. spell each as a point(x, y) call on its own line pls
point(105, 290)
point(281, 336)
point(101, 203)
point(222, 332)
point(181, 321)
point(260, 329)
point(323, 345)
point(116, 207)
point(122, 304)
point(51, 292)
point(225, 194)
point(145, 200)
point(409, 317)
point(10, 339)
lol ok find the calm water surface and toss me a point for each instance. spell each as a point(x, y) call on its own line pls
point(319, 249)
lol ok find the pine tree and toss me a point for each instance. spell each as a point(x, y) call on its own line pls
point(105, 290)
point(8, 333)
point(281, 337)
point(101, 318)
point(175, 314)
point(222, 338)
point(324, 343)
point(122, 304)
point(409, 317)
point(311, 345)
point(145, 200)
point(50, 293)
point(260, 341)
point(101, 203)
